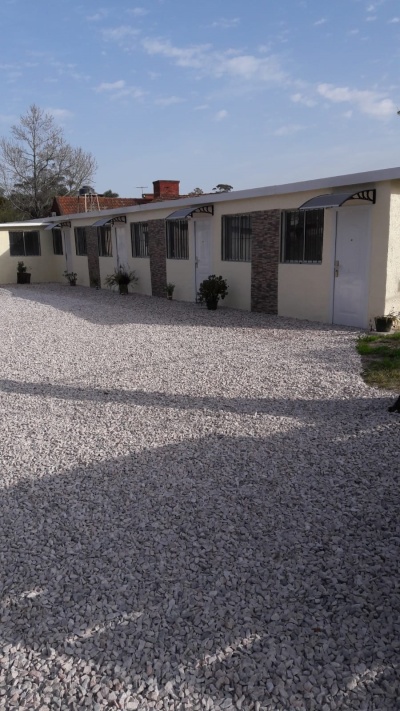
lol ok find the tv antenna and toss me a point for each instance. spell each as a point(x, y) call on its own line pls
point(141, 188)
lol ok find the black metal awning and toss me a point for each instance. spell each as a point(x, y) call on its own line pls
point(55, 225)
point(109, 221)
point(186, 212)
point(338, 199)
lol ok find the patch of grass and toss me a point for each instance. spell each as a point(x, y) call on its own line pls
point(380, 357)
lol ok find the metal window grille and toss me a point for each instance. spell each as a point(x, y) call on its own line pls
point(302, 236)
point(80, 242)
point(104, 241)
point(24, 244)
point(140, 239)
point(236, 238)
point(177, 239)
point(57, 241)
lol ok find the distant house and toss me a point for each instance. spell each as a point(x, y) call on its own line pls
point(326, 250)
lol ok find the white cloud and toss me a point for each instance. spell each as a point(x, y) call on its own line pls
point(138, 11)
point(371, 18)
point(288, 130)
point(60, 114)
point(219, 63)
point(201, 107)
point(226, 23)
point(169, 101)
point(301, 99)
point(394, 20)
point(101, 14)
point(371, 103)
point(120, 90)
point(120, 84)
point(120, 34)
point(353, 32)
point(322, 21)
point(221, 115)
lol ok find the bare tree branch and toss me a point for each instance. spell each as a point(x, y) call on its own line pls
point(37, 163)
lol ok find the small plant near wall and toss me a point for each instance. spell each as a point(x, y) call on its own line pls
point(384, 324)
point(122, 278)
point(169, 288)
point(71, 276)
point(212, 290)
point(23, 276)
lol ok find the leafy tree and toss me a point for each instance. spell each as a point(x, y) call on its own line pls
point(37, 163)
point(109, 193)
point(222, 188)
point(196, 192)
point(8, 213)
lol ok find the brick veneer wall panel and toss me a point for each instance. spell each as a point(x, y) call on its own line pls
point(93, 255)
point(158, 256)
point(265, 227)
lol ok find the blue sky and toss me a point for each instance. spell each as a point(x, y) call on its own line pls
point(223, 91)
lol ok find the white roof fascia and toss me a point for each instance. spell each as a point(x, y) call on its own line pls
point(20, 225)
point(368, 177)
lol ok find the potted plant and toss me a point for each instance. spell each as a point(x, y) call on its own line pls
point(121, 277)
point(212, 290)
point(23, 276)
point(71, 276)
point(169, 288)
point(383, 324)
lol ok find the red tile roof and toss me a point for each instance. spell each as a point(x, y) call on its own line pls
point(70, 205)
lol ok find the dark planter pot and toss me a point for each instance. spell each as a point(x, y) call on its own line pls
point(169, 297)
point(23, 278)
point(123, 288)
point(72, 283)
point(383, 325)
point(212, 304)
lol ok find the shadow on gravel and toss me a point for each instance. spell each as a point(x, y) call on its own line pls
point(138, 309)
point(241, 570)
point(301, 409)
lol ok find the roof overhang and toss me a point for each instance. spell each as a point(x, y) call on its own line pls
point(109, 221)
point(321, 202)
point(59, 225)
point(186, 212)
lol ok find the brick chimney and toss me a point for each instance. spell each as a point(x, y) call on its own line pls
point(166, 189)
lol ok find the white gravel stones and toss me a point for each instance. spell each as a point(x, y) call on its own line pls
point(199, 510)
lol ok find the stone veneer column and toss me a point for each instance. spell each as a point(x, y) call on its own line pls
point(93, 256)
point(158, 256)
point(265, 228)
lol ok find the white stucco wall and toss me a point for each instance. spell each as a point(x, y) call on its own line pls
point(379, 251)
point(43, 268)
point(392, 293)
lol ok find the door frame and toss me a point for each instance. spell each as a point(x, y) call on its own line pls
point(368, 210)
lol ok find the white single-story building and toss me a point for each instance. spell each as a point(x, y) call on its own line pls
point(325, 250)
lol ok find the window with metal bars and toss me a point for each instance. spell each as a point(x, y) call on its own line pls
point(24, 244)
point(104, 241)
point(80, 242)
point(57, 241)
point(236, 238)
point(140, 239)
point(302, 236)
point(177, 239)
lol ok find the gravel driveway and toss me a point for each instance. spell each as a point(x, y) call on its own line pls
point(199, 510)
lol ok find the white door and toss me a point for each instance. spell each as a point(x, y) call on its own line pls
point(122, 248)
point(352, 255)
point(67, 249)
point(202, 239)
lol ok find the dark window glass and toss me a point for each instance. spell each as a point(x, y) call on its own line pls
point(24, 244)
point(177, 239)
point(140, 239)
point(57, 241)
point(104, 241)
point(17, 247)
point(236, 238)
point(80, 242)
point(302, 236)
